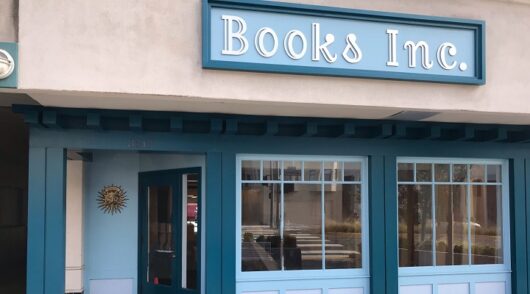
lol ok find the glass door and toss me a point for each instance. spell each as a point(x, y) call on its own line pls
point(169, 231)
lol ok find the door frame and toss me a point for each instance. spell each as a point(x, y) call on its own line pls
point(142, 206)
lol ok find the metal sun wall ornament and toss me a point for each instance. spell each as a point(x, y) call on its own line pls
point(112, 199)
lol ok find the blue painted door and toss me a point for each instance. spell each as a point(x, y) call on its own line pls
point(169, 231)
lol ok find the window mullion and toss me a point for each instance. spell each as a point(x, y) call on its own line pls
point(282, 217)
point(433, 214)
point(468, 204)
point(323, 215)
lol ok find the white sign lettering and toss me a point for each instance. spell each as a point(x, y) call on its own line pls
point(295, 45)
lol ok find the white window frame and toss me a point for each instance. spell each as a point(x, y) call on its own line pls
point(251, 276)
point(504, 268)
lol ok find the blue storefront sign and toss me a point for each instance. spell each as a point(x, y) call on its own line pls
point(268, 36)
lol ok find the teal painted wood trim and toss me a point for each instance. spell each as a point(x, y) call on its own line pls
point(36, 220)
point(391, 225)
point(213, 222)
point(229, 222)
point(518, 230)
point(55, 243)
point(477, 26)
point(377, 224)
point(12, 80)
point(527, 198)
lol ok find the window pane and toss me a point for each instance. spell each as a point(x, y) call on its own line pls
point(352, 171)
point(292, 170)
point(478, 173)
point(441, 172)
point(415, 225)
point(191, 225)
point(486, 224)
point(312, 171)
point(406, 172)
point(271, 170)
point(343, 226)
point(494, 173)
point(303, 227)
point(451, 225)
point(424, 172)
point(332, 171)
point(260, 230)
point(250, 170)
point(459, 173)
point(160, 246)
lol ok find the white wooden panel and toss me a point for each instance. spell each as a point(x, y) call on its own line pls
point(120, 286)
point(453, 289)
point(346, 291)
point(490, 288)
point(416, 289)
point(312, 291)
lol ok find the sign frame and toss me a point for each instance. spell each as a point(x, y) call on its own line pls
point(12, 80)
point(477, 26)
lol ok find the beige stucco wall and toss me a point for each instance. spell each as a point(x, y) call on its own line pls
point(8, 20)
point(147, 54)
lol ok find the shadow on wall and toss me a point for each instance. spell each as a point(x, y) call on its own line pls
point(14, 140)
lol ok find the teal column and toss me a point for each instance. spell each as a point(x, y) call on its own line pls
point(55, 226)
point(518, 220)
point(377, 224)
point(36, 220)
point(229, 223)
point(213, 222)
point(391, 225)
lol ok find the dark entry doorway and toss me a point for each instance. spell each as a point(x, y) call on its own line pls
point(169, 231)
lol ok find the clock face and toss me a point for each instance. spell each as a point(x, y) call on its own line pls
point(112, 199)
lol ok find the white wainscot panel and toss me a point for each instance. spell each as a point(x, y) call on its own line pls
point(416, 289)
point(453, 289)
point(263, 292)
point(346, 291)
point(490, 288)
point(117, 286)
point(312, 291)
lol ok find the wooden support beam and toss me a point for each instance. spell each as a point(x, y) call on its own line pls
point(216, 126)
point(135, 122)
point(311, 129)
point(49, 119)
point(176, 124)
point(272, 128)
point(231, 126)
point(350, 130)
point(93, 121)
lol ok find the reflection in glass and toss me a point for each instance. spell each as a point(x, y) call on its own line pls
point(343, 226)
point(405, 172)
point(451, 225)
point(486, 225)
point(250, 170)
point(332, 171)
point(494, 173)
point(292, 170)
point(260, 230)
point(477, 172)
point(352, 171)
point(191, 223)
point(459, 173)
point(442, 172)
point(303, 227)
point(271, 170)
point(160, 244)
point(423, 172)
point(415, 225)
point(312, 171)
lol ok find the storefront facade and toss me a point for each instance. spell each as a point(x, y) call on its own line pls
point(275, 148)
